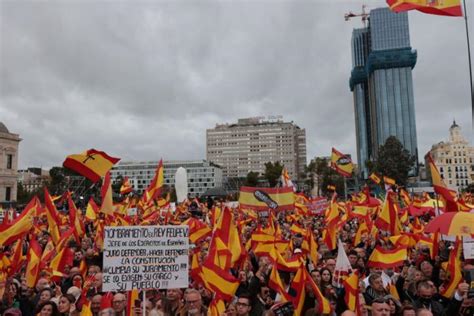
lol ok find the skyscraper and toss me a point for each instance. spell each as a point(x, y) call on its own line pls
point(382, 84)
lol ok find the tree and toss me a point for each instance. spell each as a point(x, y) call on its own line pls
point(252, 179)
point(393, 161)
point(272, 172)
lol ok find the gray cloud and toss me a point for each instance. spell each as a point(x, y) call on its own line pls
point(143, 80)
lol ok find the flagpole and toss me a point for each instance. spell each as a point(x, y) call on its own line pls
point(470, 66)
point(144, 302)
point(345, 188)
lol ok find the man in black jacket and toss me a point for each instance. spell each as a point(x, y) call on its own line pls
point(425, 299)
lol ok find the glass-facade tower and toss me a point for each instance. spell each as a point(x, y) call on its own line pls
point(382, 84)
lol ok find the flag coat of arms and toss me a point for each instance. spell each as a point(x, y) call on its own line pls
point(92, 164)
point(341, 163)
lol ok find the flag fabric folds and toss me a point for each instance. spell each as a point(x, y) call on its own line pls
point(9, 232)
point(382, 258)
point(126, 187)
point(445, 7)
point(454, 270)
point(92, 164)
point(33, 267)
point(341, 163)
point(107, 206)
point(153, 190)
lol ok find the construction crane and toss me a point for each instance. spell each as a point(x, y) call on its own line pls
point(364, 15)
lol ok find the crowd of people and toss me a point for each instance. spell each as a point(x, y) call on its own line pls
point(412, 288)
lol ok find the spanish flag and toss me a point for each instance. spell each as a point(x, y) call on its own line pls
point(219, 281)
point(388, 218)
point(324, 307)
point(198, 230)
point(126, 187)
point(351, 284)
point(374, 177)
point(107, 206)
point(154, 189)
point(448, 196)
point(341, 163)
point(297, 290)
point(20, 226)
point(275, 283)
point(382, 258)
point(131, 298)
point(454, 270)
point(33, 259)
point(91, 210)
point(216, 307)
point(92, 164)
point(437, 7)
point(262, 199)
point(52, 216)
point(389, 181)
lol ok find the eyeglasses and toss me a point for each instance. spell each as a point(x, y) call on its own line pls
point(117, 302)
point(192, 302)
point(242, 304)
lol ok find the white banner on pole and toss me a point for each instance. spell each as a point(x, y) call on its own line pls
point(145, 257)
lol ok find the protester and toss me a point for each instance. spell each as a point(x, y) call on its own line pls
point(48, 309)
point(263, 279)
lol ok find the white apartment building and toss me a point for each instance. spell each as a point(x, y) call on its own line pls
point(454, 159)
point(8, 165)
point(202, 175)
point(251, 142)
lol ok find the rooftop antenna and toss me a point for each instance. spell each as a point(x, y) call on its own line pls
point(364, 15)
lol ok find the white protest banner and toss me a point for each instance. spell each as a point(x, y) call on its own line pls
point(145, 257)
point(468, 247)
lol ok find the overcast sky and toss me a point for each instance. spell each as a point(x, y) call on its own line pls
point(143, 80)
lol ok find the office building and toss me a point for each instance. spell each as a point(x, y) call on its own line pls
point(382, 85)
point(8, 165)
point(33, 179)
point(202, 175)
point(251, 142)
point(454, 159)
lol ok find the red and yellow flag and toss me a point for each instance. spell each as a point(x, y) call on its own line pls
point(389, 181)
point(275, 283)
point(75, 220)
point(52, 216)
point(219, 281)
point(351, 285)
point(341, 163)
point(107, 206)
point(33, 267)
point(279, 199)
point(154, 189)
point(388, 218)
point(382, 258)
point(297, 288)
point(454, 270)
point(92, 164)
point(126, 187)
point(9, 232)
point(324, 307)
point(437, 7)
point(374, 177)
point(448, 196)
point(198, 230)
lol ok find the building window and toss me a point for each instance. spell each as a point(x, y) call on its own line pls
point(8, 193)
point(9, 161)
